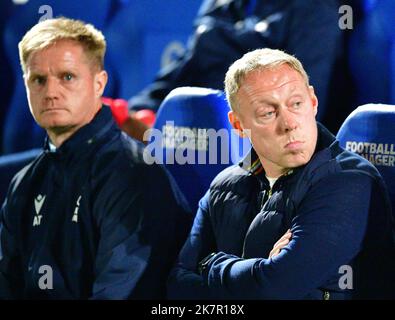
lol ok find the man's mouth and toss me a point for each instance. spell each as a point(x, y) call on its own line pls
point(53, 109)
point(294, 145)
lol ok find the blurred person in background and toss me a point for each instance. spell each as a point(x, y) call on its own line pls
point(227, 29)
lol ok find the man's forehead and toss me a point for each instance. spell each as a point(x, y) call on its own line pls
point(65, 52)
point(41, 56)
point(272, 79)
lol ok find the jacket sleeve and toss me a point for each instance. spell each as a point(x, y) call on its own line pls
point(142, 229)
point(326, 234)
point(184, 281)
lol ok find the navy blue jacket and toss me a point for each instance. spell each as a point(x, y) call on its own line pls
point(338, 210)
point(106, 224)
point(225, 30)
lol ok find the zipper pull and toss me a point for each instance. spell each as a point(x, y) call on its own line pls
point(266, 196)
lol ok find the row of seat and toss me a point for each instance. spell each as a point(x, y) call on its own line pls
point(368, 131)
point(142, 35)
point(193, 139)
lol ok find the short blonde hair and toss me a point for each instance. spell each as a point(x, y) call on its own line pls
point(260, 59)
point(48, 32)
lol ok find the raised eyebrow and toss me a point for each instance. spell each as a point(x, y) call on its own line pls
point(62, 73)
point(296, 95)
point(267, 103)
point(35, 75)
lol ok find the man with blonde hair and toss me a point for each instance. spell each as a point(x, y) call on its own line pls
point(84, 219)
point(304, 219)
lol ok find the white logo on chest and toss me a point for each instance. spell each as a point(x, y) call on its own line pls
point(38, 203)
point(77, 207)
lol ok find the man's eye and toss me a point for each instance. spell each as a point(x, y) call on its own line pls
point(39, 80)
point(268, 114)
point(68, 77)
point(297, 104)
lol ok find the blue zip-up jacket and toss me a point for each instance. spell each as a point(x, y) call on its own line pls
point(342, 244)
point(90, 220)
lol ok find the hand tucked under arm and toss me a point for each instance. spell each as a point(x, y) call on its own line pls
point(280, 244)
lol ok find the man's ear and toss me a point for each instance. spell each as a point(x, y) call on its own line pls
point(101, 78)
point(235, 122)
point(314, 100)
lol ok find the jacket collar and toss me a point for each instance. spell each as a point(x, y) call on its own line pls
point(86, 135)
point(253, 166)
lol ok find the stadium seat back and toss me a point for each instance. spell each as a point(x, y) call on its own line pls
point(194, 139)
point(370, 131)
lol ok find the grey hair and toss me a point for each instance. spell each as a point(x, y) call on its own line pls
point(260, 59)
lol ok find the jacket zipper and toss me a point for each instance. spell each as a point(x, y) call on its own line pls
point(270, 192)
point(264, 199)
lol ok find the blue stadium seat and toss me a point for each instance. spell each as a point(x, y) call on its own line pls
point(10, 164)
point(372, 53)
point(193, 138)
point(20, 132)
point(370, 131)
point(145, 35)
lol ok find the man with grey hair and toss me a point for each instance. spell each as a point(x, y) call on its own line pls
point(304, 219)
point(84, 219)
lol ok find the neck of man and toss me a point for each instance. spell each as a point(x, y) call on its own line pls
point(58, 136)
point(275, 173)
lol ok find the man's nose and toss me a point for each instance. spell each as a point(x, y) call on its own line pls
point(51, 88)
point(288, 120)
